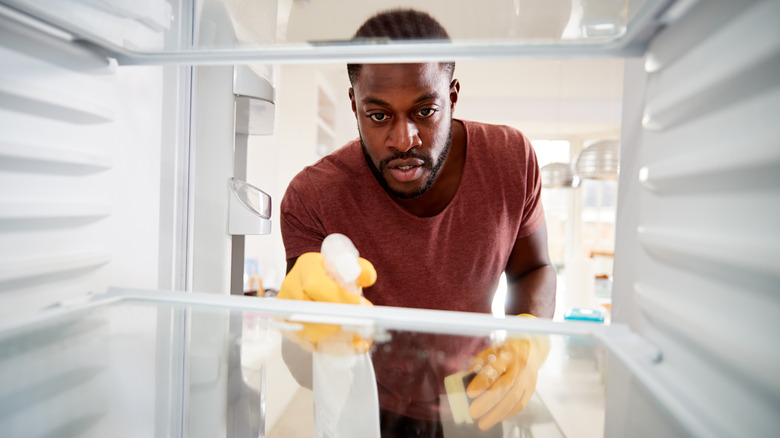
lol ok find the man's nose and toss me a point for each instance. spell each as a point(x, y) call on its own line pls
point(404, 135)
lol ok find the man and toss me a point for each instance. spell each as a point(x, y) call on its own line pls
point(441, 207)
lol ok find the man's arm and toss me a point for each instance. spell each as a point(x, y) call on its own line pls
point(531, 278)
point(504, 386)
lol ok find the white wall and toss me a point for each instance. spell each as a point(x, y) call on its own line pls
point(546, 99)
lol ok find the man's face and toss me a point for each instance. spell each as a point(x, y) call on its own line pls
point(404, 116)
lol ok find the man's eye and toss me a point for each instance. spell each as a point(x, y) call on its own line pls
point(377, 117)
point(427, 112)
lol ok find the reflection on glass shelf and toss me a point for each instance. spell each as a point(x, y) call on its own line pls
point(272, 31)
point(150, 367)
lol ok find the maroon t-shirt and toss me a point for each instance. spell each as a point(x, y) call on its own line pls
point(451, 261)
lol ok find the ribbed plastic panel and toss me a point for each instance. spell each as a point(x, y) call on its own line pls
point(697, 268)
point(79, 171)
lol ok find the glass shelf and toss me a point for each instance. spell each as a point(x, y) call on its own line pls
point(267, 31)
point(134, 363)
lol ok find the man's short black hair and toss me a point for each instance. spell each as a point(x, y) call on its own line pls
point(401, 24)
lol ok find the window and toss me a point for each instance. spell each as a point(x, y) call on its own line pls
point(552, 151)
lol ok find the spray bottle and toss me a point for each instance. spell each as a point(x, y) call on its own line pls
point(345, 396)
point(341, 261)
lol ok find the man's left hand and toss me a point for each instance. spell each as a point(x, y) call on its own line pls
point(505, 378)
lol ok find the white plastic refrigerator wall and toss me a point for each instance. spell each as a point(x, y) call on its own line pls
point(80, 166)
point(697, 257)
point(102, 166)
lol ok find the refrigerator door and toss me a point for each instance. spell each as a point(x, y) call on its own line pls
point(134, 363)
point(271, 31)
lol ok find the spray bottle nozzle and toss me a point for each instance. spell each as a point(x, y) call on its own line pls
point(341, 261)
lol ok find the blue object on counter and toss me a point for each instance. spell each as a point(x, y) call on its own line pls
point(582, 314)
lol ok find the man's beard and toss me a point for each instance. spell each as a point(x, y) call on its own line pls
point(411, 153)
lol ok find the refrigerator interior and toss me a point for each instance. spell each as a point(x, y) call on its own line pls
point(111, 176)
point(150, 363)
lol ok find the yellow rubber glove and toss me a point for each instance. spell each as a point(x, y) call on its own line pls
point(309, 281)
point(329, 338)
point(505, 378)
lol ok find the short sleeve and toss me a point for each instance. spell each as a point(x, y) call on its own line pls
point(533, 213)
point(302, 231)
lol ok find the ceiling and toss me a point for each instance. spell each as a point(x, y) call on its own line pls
point(546, 98)
point(518, 20)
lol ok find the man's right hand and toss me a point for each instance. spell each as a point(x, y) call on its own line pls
point(308, 281)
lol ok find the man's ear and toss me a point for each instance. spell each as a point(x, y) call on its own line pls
point(352, 101)
point(454, 90)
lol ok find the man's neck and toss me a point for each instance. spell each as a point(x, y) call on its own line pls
point(446, 184)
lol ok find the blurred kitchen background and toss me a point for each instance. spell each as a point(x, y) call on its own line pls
point(562, 106)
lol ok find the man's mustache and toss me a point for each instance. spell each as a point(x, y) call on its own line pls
point(406, 155)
